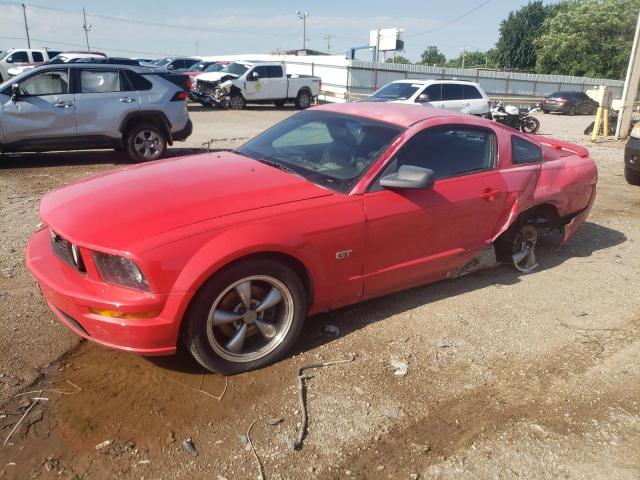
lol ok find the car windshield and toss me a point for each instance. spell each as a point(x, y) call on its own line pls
point(397, 91)
point(197, 67)
point(4, 54)
point(561, 95)
point(236, 69)
point(330, 149)
point(59, 59)
point(214, 67)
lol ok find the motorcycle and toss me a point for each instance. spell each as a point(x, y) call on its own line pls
point(511, 116)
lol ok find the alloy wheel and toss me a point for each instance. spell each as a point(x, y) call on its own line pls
point(250, 318)
point(148, 144)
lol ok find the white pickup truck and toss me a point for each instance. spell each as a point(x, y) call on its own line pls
point(240, 83)
point(18, 59)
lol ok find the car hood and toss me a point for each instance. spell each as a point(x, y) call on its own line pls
point(215, 76)
point(129, 207)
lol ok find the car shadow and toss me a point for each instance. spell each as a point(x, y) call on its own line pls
point(81, 157)
point(250, 108)
point(588, 240)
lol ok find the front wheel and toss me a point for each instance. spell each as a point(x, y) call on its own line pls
point(246, 316)
point(530, 125)
point(145, 142)
point(237, 102)
point(303, 100)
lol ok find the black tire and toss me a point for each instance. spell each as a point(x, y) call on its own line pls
point(545, 111)
point(212, 293)
point(530, 125)
point(279, 103)
point(303, 100)
point(572, 111)
point(151, 133)
point(237, 102)
point(632, 177)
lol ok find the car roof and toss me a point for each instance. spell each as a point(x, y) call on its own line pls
point(399, 114)
point(98, 66)
point(425, 81)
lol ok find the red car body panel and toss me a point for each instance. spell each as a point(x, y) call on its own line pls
point(183, 219)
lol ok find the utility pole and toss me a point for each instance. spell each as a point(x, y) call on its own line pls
point(86, 27)
point(26, 25)
point(630, 90)
point(328, 39)
point(197, 42)
point(464, 54)
point(303, 16)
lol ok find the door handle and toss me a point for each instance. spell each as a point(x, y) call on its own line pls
point(127, 100)
point(489, 194)
point(61, 104)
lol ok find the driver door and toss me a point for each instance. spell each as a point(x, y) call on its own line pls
point(44, 111)
point(257, 86)
point(418, 236)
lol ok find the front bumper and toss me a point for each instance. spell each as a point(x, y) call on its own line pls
point(632, 154)
point(555, 107)
point(70, 295)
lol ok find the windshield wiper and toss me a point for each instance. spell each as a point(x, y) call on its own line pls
point(268, 161)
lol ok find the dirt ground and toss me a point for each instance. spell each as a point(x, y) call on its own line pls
point(509, 375)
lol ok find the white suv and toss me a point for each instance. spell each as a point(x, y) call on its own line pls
point(461, 96)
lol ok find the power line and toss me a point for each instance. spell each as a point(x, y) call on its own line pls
point(45, 42)
point(478, 7)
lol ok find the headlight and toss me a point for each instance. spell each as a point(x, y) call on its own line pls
point(120, 271)
point(635, 131)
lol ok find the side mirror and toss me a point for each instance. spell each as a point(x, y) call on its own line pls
point(409, 177)
point(15, 91)
point(171, 67)
point(253, 77)
point(423, 98)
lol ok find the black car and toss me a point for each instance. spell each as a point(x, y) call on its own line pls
point(569, 103)
point(632, 158)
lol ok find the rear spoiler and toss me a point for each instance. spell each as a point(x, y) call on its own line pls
point(561, 145)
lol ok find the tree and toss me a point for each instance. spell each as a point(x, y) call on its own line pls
point(472, 59)
point(516, 47)
point(398, 59)
point(588, 38)
point(432, 56)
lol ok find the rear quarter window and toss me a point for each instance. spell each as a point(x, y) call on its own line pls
point(470, 92)
point(451, 91)
point(523, 152)
point(138, 82)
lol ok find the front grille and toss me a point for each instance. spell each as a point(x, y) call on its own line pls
point(67, 252)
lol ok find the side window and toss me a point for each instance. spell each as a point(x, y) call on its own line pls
point(523, 151)
point(37, 57)
point(435, 92)
point(19, 56)
point(275, 71)
point(470, 92)
point(138, 82)
point(51, 82)
point(189, 63)
point(451, 91)
point(99, 81)
point(449, 151)
point(262, 71)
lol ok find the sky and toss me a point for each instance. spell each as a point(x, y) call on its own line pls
point(215, 28)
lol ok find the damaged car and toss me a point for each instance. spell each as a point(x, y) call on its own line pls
point(255, 82)
point(335, 205)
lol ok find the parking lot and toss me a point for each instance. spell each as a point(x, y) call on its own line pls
point(509, 375)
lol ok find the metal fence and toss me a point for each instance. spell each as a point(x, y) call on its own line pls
point(346, 80)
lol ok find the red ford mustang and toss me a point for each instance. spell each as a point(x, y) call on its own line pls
point(231, 251)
